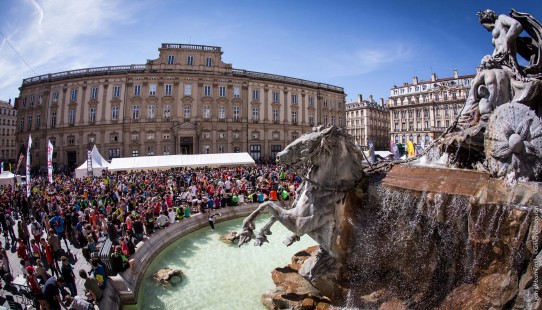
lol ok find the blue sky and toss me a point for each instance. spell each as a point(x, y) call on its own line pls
point(364, 46)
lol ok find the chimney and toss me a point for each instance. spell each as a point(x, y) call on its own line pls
point(371, 99)
point(456, 75)
point(381, 101)
point(433, 77)
point(415, 80)
point(360, 98)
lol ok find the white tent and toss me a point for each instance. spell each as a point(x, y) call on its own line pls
point(98, 165)
point(7, 178)
point(172, 161)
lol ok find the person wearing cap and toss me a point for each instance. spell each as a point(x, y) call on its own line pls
point(35, 289)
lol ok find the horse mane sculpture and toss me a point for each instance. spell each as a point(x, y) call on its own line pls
point(330, 165)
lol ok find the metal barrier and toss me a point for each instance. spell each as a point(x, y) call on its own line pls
point(105, 255)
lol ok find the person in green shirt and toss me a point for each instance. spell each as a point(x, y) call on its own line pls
point(235, 200)
point(186, 211)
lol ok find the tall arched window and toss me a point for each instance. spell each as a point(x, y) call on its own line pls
point(186, 111)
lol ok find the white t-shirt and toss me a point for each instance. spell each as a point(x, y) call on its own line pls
point(172, 216)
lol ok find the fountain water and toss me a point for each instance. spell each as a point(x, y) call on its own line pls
point(455, 229)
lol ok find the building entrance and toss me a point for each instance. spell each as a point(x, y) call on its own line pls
point(187, 146)
point(72, 159)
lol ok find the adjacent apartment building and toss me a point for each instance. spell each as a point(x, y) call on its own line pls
point(368, 120)
point(422, 110)
point(187, 101)
point(8, 122)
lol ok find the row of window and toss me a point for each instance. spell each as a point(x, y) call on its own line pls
point(8, 131)
point(8, 143)
point(136, 114)
point(189, 60)
point(8, 122)
point(8, 112)
point(419, 127)
point(7, 153)
point(428, 97)
point(445, 109)
point(207, 90)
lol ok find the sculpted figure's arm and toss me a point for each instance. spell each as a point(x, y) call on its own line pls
point(508, 29)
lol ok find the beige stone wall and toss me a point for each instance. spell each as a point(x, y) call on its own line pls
point(159, 84)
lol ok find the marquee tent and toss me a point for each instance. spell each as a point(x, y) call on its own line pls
point(173, 161)
point(7, 178)
point(98, 165)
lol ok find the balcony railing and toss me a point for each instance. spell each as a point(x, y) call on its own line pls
point(111, 70)
point(151, 120)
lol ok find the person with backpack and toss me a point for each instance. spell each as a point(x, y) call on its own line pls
point(10, 222)
point(57, 222)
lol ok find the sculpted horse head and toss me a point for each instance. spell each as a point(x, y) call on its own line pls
point(329, 155)
point(331, 166)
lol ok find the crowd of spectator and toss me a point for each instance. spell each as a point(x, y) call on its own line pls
point(123, 207)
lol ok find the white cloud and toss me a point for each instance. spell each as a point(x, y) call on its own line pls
point(374, 57)
point(48, 34)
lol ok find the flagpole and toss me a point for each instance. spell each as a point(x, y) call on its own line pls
point(28, 165)
point(50, 161)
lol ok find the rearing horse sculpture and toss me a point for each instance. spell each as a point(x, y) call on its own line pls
point(332, 171)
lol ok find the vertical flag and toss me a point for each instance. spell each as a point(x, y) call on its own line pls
point(2, 167)
point(20, 158)
point(50, 161)
point(28, 165)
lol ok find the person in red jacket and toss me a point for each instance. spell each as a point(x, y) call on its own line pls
point(22, 252)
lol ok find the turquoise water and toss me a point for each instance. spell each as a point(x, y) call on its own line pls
point(218, 275)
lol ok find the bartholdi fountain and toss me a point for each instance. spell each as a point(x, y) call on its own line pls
point(402, 236)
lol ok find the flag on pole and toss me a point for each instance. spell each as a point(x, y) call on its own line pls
point(20, 158)
point(28, 165)
point(50, 161)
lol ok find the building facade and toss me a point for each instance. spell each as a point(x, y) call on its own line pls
point(187, 101)
point(8, 121)
point(368, 120)
point(423, 110)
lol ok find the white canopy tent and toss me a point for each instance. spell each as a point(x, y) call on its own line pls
point(98, 165)
point(173, 161)
point(7, 178)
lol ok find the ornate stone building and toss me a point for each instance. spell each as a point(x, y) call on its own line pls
point(187, 101)
point(422, 110)
point(8, 121)
point(367, 119)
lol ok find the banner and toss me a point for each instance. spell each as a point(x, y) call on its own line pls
point(50, 161)
point(20, 158)
point(28, 165)
point(2, 167)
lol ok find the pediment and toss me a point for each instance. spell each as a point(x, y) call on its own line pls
point(222, 100)
point(187, 99)
point(115, 101)
point(187, 125)
point(207, 100)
